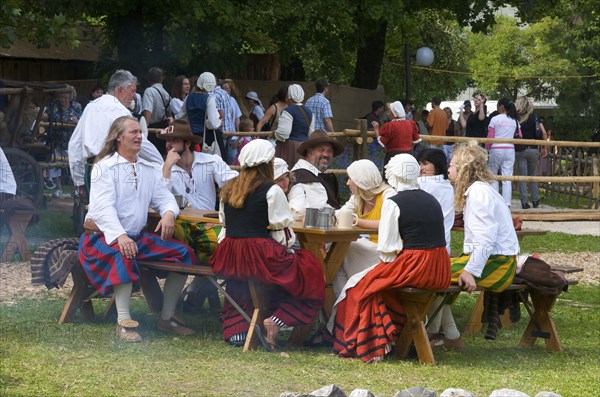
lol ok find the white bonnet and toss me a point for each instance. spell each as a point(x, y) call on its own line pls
point(207, 82)
point(296, 93)
point(256, 152)
point(397, 109)
point(365, 174)
point(280, 167)
point(402, 172)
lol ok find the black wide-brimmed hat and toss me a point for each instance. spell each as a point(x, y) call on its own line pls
point(179, 129)
point(319, 137)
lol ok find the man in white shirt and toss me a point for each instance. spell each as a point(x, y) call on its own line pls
point(123, 187)
point(313, 188)
point(8, 184)
point(92, 129)
point(195, 177)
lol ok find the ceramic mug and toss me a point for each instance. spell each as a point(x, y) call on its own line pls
point(347, 219)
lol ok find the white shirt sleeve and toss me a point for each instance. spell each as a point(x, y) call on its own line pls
point(7, 178)
point(223, 231)
point(222, 172)
point(483, 227)
point(150, 153)
point(212, 120)
point(311, 127)
point(284, 128)
point(298, 201)
point(162, 198)
point(390, 243)
point(280, 216)
point(76, 164)
point(183, 112)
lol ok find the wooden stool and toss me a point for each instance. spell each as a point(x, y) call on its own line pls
point(260, 298)
point(17, 223)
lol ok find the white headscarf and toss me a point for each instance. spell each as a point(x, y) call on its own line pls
point(397, 109)
point(280, 167)
point(256, 152)
point(402, 172)
point(296, 93)
point(207, 82)
point(365, 175)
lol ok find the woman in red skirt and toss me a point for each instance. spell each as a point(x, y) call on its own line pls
point(255, 214)
point(412, 246)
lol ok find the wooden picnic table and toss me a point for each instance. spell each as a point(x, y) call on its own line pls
point(311, 239)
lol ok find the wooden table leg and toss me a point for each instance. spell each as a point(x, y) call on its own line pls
point(542, 304)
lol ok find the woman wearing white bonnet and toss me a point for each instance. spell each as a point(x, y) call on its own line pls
point(412, 248)
point(255, 215)
point(296, 123)
point(368, 194)
point(282, 175)
point(399, 135)
point(200, 109)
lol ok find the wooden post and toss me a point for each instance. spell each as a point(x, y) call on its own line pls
point(596, 185)
point(364, 146)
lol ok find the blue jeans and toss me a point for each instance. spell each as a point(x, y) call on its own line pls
point(527, 163)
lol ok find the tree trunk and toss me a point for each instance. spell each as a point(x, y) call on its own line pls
point(129, 40)
point(369, 57)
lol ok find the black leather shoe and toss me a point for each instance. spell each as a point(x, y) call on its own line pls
point(536, 204)
point(526, 206)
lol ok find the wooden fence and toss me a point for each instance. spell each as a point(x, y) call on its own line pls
point(570, 174)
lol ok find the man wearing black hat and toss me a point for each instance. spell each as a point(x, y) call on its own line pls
point(313, 188)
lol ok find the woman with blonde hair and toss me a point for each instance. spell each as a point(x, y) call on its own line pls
point(490, 242)
point(528, 156)
point(368, 194)
point(254, 245)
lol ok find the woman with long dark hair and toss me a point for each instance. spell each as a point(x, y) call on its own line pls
point(502, 155)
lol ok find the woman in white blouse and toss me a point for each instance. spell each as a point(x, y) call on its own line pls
point(180, 90)
point(490, 243)
point(502, 155)
point(441, 327)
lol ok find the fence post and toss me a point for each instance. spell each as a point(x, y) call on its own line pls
point(364, 145)
point(596, 185)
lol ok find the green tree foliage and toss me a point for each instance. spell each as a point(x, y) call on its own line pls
point(505, 61)
point(439, 31)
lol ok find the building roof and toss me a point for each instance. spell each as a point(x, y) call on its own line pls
point(87, 51)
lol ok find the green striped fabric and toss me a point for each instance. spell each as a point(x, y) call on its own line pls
point(202, 237)
point(498, 272)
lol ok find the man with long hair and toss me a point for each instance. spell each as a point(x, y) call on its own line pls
point(123, 187)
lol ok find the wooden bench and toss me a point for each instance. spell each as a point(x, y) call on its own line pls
point(82, 294)
point(17, 223)
point(417, 301)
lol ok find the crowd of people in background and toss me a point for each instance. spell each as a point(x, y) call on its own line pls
point(123, 170)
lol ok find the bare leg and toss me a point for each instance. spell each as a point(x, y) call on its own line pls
point(272, 329)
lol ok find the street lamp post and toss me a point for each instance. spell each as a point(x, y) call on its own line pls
point(424, 58)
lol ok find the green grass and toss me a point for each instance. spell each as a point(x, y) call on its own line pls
point(41, 357)
point(549, 242)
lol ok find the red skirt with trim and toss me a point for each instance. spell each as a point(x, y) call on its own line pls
point(300, 291)
point(370, 318)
